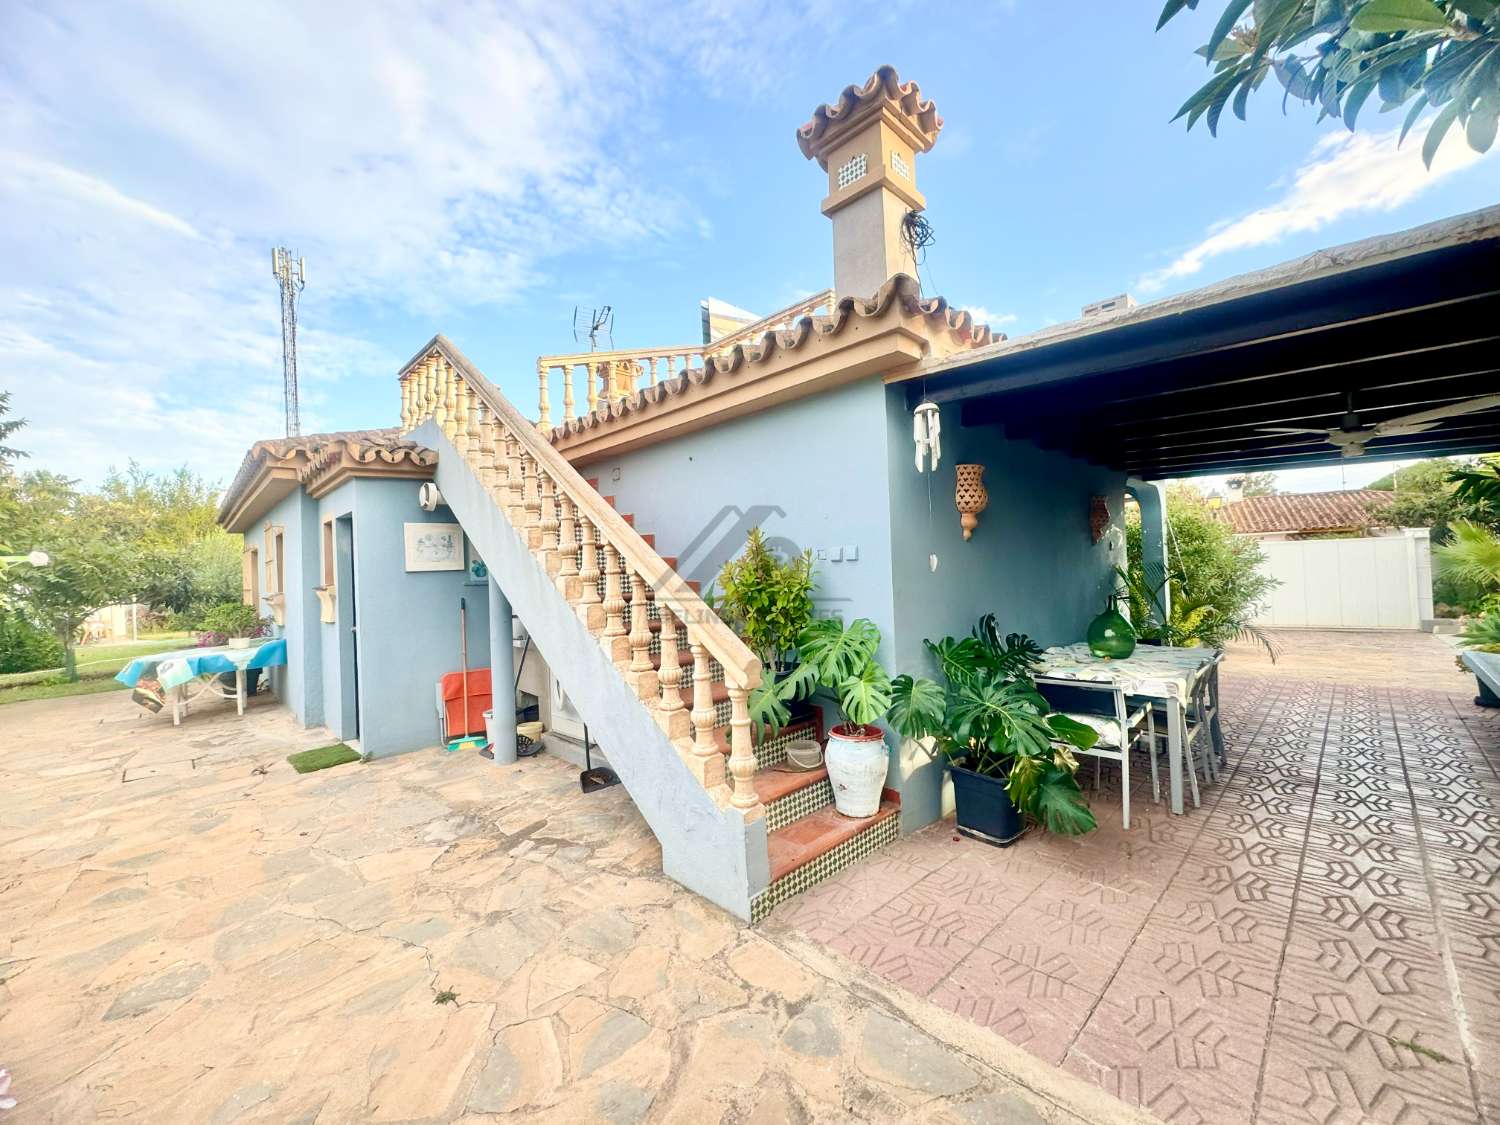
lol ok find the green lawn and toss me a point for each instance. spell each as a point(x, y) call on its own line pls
point(97, 665)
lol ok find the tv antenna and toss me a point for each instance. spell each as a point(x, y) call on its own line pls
point(600, 320)
point(292, 276)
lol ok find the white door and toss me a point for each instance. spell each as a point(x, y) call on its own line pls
point(1370, 583)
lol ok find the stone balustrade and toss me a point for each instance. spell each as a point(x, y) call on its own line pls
point(619, 373)
point(579, 539)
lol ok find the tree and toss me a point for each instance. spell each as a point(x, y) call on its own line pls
point(1258, 484)
point(187, 562)
point(1426, 495)
point(7, 428)
point(93, 564)
point(1442, 55)
point(1216, 576)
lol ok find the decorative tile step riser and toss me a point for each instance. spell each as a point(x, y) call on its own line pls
point(772, 752)
point(830, 863)
point(796, 805)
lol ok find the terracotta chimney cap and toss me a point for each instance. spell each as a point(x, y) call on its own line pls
point(901, 103)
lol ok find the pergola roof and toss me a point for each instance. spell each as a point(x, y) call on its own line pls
point(1185, 385)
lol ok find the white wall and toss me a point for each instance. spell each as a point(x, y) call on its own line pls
point(1376, 583)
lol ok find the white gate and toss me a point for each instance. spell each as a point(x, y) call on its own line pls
point(1383, 582)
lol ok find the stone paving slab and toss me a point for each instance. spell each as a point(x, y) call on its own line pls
point(233, 941)
point(1320, 942)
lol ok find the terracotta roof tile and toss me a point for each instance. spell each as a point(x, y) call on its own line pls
point(312, 452)
point(900, 289)
point(884, 86)
point(1304, 512)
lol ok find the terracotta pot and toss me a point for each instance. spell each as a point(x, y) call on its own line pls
point(857, 759)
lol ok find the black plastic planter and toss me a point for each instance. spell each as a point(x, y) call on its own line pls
point(983, 808)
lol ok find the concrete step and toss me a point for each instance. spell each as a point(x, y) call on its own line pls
point(810, 838)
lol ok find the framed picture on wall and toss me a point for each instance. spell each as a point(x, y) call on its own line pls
point(478, 574)
point(434, 546)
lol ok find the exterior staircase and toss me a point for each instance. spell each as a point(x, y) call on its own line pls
point(660, 680)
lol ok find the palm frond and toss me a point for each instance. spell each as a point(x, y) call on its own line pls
point(1473, 555)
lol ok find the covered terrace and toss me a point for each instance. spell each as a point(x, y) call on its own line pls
point(1220, 379)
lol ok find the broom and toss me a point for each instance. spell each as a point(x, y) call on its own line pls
point(465, 740)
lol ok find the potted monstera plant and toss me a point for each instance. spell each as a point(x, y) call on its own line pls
point(1008, 751)
point(836, 663)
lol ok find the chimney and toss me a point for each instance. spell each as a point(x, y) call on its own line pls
point(868, 143)
point(1234, 490)
point(1110, 305)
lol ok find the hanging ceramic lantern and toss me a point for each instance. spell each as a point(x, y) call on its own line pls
point(970, 497)
point(1098, 517)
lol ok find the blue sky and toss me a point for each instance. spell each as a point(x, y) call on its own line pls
point(480, 169)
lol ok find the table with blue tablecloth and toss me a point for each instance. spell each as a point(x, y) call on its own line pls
point(177, 669)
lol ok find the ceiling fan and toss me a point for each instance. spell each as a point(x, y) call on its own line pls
point(1350, 437)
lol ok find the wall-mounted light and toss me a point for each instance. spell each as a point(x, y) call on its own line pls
point(970, 497)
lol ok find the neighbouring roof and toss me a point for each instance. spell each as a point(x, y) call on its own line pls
point(1304, 512)
point(318, 462)
point(883, 88)
point(900, 298)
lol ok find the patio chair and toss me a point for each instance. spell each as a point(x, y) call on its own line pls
point(1201, 713)
point(1119, 725)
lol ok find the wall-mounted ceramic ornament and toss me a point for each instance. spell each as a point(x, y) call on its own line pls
point(1098, 517)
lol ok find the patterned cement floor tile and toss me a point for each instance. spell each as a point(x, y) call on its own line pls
point(1318, 942)
point(1320, 1068)
point(1021, 1001)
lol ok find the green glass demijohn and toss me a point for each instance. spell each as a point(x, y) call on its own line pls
point(1110, 635)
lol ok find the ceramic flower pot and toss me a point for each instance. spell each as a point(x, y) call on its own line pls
point(1110, 635)
point(239, 642)
point(856, 759)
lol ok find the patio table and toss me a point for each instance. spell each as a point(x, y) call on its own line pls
point(1154, 672)
point(181, 667)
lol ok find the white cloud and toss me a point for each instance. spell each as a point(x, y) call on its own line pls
point(994, 320)
point(1346, 174)
point(425, 158)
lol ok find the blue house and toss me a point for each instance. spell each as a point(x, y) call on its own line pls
point(601, 529)
point(361, 580)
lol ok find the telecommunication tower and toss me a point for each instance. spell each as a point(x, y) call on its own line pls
point(292, 276)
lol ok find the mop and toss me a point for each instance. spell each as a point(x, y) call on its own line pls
point(465, 740)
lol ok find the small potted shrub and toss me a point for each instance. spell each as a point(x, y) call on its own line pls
point(235, 622)
point(837, 662)
point(766, 600)
point(1007, 750)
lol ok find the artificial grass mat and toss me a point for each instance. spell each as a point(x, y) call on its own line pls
point(322, 758)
